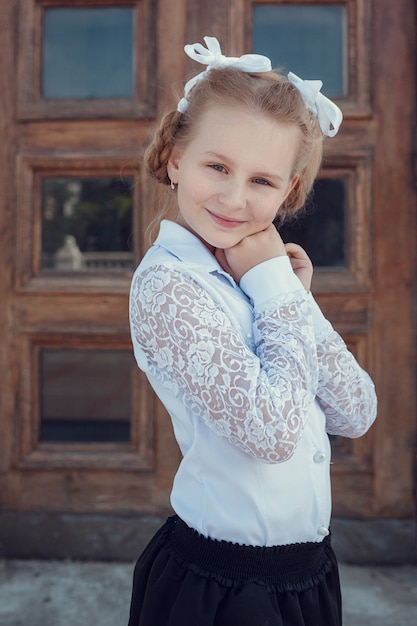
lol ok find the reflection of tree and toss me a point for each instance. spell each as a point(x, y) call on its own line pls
point(96, 211)
point(103, 227)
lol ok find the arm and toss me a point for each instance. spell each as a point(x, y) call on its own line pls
point(259, 401)
point(346, 393)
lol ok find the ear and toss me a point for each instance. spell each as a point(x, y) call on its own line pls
point(173, 165)
point(292, 184)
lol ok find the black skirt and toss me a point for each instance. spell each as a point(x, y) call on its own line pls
point(184, 579)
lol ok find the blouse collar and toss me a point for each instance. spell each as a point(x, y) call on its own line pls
point(189, 249)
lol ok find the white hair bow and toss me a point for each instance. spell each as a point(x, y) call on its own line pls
point(328, 114)
point(212, 57)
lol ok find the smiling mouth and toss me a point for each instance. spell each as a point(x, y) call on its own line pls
point(225, 221)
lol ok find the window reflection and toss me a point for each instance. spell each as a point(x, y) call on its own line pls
point(307, 40)
point(87, 224)
point(321, 229)
point(85, 395)
point(87, 52)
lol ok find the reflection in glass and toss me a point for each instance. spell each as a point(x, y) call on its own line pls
point(85, 395)
point(320, 230)
point(87, 224)
point(87, 52)
point(307, 40)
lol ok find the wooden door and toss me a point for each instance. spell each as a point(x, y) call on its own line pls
point(80, 429)
point(81, 433)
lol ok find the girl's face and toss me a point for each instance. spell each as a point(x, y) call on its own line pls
point(234, 175)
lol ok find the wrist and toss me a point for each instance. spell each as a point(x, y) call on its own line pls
point(270, 279)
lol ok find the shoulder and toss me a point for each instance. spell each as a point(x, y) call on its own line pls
point(169, 278)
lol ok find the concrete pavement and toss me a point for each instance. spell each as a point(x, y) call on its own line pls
point(68, 593)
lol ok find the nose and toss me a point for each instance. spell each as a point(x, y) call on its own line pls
point(233, 195)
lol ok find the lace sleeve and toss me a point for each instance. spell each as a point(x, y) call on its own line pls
point(259, 401)
point(346, 393)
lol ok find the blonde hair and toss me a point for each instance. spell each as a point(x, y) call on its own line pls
point(269, 93)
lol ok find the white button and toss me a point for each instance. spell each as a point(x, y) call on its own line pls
point(319, 457)
point(322, 530)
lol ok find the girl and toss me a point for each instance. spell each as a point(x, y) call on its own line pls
point(233, 343)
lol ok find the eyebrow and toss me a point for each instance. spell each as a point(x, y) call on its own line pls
point(222, 157)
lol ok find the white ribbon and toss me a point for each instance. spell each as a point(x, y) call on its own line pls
point(327, 112)
point(212, 57)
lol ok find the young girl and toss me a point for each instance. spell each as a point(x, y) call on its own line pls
point(233, 343)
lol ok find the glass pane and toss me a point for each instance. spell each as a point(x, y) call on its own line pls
point(87, 53)
point(321, 229)
point(87, 224)
point(85, 395)
point(307, 40)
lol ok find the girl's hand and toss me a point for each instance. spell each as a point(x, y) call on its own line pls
point(250, 251)
point(301, 264)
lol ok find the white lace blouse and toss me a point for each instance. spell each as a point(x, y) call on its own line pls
point(253, 377)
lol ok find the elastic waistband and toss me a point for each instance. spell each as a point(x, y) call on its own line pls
point(296, 566)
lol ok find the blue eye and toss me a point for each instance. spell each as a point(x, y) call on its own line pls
point(217, 167)
point(261, 181)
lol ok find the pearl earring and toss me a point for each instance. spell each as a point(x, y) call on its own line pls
point(172, 186)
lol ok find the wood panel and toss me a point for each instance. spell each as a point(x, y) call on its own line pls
point(394, 198)
point(370, 303)
point(70, 311)
point(8, 11)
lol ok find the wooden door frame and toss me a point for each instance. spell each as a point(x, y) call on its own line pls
point(389, 529)
point(8, 13)
point(394, 237)
point(388, 534)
